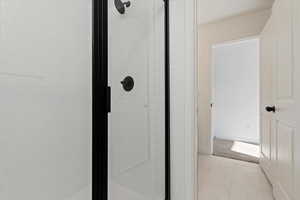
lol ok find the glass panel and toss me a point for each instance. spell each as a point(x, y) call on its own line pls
point(136, 77)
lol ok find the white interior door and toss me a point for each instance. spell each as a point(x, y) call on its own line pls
point(296, 93)
point(137, 132)
point(282, 36)
point(46, 99)
point(285, 118)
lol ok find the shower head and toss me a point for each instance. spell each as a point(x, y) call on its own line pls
point(121, 5)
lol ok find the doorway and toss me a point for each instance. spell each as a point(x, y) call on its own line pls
point(235, 100)
point(233, 164)
point(228, 92)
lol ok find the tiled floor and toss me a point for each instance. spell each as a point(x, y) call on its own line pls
point(227, 179)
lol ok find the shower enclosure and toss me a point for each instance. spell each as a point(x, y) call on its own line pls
point(131, 80)
point(84, 100)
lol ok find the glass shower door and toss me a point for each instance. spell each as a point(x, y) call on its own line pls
point(136, 67)
point(48, 108)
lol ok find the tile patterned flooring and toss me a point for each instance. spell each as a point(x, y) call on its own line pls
point(227, 179)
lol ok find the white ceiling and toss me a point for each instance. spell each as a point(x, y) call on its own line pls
point(213, 10)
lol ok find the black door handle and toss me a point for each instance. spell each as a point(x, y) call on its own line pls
point(271, 109)
point(121, 6)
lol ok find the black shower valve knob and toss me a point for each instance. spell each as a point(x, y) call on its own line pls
point(121, 6)
point(128, 83)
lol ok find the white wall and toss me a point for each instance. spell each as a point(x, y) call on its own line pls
point(46, 99)
point(235, 91)
point(210, 34)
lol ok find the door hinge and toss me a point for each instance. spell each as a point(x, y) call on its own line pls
point(108, 94)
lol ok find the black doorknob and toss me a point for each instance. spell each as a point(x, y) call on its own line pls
point(271, 109)
point(128, 83)
point(121, 6)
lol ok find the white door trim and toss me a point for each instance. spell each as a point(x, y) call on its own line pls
point(183, 59)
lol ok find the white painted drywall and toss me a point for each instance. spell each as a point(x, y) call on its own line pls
point(235, 92)
point(46, 99)
point(210, 34)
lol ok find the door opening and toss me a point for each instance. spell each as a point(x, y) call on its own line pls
point(235, 100)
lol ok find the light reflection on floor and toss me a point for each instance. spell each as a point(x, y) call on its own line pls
point(246, 148)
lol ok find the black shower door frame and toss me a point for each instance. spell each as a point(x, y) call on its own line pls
point(101, 102)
